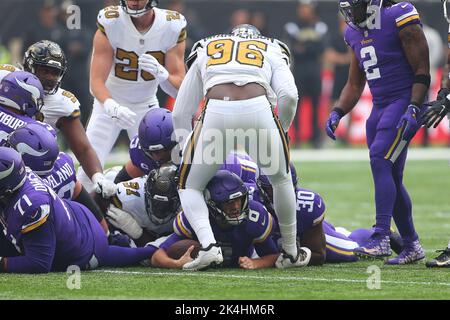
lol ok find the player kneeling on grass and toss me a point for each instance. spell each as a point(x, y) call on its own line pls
point(51, 233)
point(240, 225)
point(144, 208)
point(40, 152)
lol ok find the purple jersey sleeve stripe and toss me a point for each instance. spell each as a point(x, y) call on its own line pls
point(414, 19)
point(267, 232)
point(179, 227)
point(35, 224)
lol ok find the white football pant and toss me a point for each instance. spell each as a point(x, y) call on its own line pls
point(227, 125)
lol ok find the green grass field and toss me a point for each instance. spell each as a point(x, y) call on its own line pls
point(348, 192)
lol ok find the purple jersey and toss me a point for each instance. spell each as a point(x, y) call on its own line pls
point(138, 157)
point(310, 211)
point(50, 231)
point(62, 178)
point(242, 165)
point(10, 121)
point(380, 53)
point(252, 234)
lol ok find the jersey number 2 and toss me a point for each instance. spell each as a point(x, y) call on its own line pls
point(247, 52)
point(371, 73)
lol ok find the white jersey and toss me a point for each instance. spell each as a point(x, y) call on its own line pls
point(58, 105)
point(231, 59)
point(127, 83)
point(130, 197)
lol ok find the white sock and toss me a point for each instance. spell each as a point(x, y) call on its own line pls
point(448, 247)
point(196, 211)
point(285, 208)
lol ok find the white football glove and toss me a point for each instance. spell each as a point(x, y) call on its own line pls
point(150, 64)
point(124, 221)
point(124, 117)
point(104, 186)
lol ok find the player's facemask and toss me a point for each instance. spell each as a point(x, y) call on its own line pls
point(149, 4)
point(357, 13)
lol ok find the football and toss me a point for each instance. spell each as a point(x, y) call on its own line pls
point(176, 250)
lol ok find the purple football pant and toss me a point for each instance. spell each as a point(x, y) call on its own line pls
point(388, 154)
point(106, 255)
point(339, 246)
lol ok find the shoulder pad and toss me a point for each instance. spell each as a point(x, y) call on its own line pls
point(404, 13)
point(285, 51)
point(107, 17)
point(194, 53)
point(35, 217)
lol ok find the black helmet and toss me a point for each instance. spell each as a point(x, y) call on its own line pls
point(48, 54)
point(161, 194)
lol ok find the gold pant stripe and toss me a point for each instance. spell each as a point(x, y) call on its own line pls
point(190, 150)
point(396, 141)
point(283, 138)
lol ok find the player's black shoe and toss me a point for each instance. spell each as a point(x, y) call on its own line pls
point(441, 261)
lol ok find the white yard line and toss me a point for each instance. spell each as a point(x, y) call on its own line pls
point(227, 276)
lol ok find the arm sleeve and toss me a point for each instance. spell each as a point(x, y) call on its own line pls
point(283, 84)
point(189, 97)
point(39, 246)
point(85, 199)
point(169, 88)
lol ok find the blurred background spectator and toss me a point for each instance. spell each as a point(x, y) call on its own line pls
point(307, 39)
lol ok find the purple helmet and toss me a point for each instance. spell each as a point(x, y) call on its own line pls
point(222, 188)
point(156, 131)
point(161, 193)
point(23, 91)
point(357, 12)
point(243, 166)
point(37, 145)
point(12, 172)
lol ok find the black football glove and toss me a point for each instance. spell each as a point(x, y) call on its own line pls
point(436, 112)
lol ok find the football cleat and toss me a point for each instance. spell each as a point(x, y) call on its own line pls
point(410, 254)
point(207, 257)
point(442, 260)
point(396, 242)
point(286, 260)
point(377, 247)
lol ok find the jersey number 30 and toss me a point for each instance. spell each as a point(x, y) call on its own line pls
point(246, 52)
point(371, 73)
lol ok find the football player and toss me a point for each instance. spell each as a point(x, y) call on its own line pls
point(136, 48)
point(46, 60)
point(242, 225)
point(151, 147)
point(243, 75)
point(49, 233)
point(40, 152)
point(327, 243)
point(432, 117)
point(21, 99)
point(144, 208)
point(390, 53)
